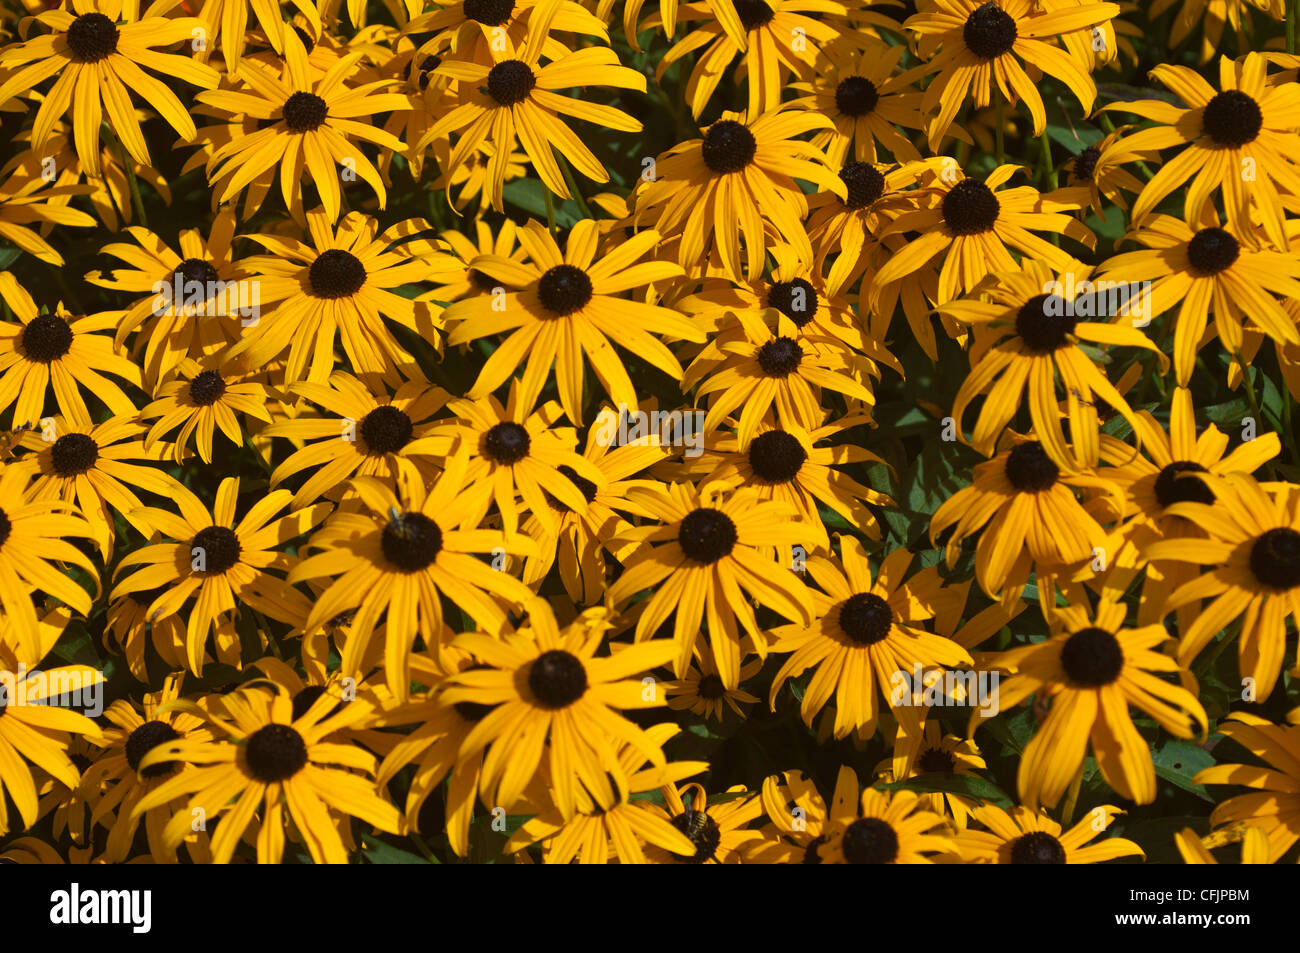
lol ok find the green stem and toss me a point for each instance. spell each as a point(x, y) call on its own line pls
point(1049, 175)
point(1151, 373)
point(573, 187)
point(1203, 667)
point(1072, 797)
point(550, 209)
point(1049, 170)
point(424, 848)
point(1290, 25)
point(1288, 430)
point(1253, 399)
point(137, 202)
point(436, 199)
point(1109, 126)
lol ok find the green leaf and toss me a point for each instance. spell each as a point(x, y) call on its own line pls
point(1076, 139)
point(1228, 414)
point(378, 852)
point(527, 195)
point(1014, 732)
point(1178, 761)
point(965, 785)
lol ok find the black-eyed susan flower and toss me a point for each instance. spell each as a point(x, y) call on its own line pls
point(562, 305)
point(221, 563)
point(631, 831)
point(719, 833)
point(1022, 506)
point(1025, 836)
point(734, 185)
point(1238, 141)
point(881, 827)
point(62, 352)
point(266, 758)
point(230, 18)
point(186, 309)
point(851, 231)
point(1161, 472)
point(467, 27)
point(366, 430)
point(716, 545)
point(1201, 268)
point(310, 125)
point(554, 696)
point(866, 639)
point(930, 751)
point(579, 542)
point(701, 691)
point(99, 51)
point(780, 38)
point(786, 464)
point(1273, 805)
point(202, 397)
point(515, 98)
point(1099, 170)
point(794, 289)
point(971, 223)
point(119, 781)
point(397, 557)
point(514, 453)
point(761, 363)
point(1253, 546)
point(341, 287)
point(1090, 673)
point(855, 81)
point(95, 468)
point(1030, 330)
point(34, 729)
point(976, 46)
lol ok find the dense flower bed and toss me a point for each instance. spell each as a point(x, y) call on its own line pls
point(731, 431)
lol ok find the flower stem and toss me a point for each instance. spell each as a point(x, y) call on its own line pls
point(137, 202)
point(1288, 431)
point(1049, 170)
point(571, 182)
point(1072, 796)
point(1293, 8)
point(550, 209)
point(1253, 399)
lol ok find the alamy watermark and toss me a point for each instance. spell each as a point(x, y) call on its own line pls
point(74, 688)
point(1098, 299)
point(676, 428)
point(937, 689)
point(214, 298)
